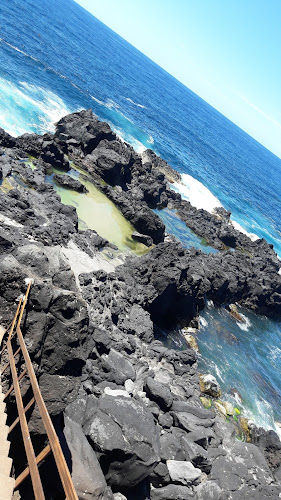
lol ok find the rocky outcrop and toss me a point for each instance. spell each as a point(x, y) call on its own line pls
point(128, 400)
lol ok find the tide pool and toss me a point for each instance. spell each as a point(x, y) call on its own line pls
point(95, 211)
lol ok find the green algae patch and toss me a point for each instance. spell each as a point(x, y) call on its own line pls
point(6, 185)
point(95, 211)
point(29, 162)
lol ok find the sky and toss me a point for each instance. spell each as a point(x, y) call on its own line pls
point(226, 51)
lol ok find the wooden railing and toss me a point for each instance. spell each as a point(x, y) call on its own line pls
point(32, 470)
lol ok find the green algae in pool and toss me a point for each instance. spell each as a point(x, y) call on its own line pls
point(96, 211)
point(30, 163)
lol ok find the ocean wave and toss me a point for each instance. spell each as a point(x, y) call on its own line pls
point(110, 104)
point(239, 228)
point(201, 197)
point(125, 137)
point(36, 109)
point(135, 103)
point(219, 374)
point(49, 68)
point(101, 103)
point(244, 326)
point(275, 354)
point(19, 50)
point(196, 193)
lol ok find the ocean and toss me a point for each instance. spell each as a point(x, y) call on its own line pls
point(57, 58)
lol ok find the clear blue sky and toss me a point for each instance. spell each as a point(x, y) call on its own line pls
point(226, 51)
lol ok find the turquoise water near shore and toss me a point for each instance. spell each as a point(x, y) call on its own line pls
point(57, 58)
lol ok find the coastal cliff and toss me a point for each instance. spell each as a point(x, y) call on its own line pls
point(92, 328)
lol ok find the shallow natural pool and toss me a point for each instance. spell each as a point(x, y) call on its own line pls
point(95, 211)
point(178, 228)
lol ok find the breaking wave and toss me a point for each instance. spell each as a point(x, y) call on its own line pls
point(196, 193)
point(28, 108)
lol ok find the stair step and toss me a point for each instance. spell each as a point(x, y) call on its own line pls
point(5, 466)
point(3, 418)
point(7, 487)
point(4, 448)
point(4, 431)
point(2, 408)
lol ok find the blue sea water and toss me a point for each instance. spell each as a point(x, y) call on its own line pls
point(57, 58)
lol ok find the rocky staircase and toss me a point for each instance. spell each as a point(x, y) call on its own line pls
point(7, 483)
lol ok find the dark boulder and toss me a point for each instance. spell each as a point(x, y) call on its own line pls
point(69, 183)
point(159, 393)
point(85, 129)
point(123, 431)
point(142, 238)
point(6, 140)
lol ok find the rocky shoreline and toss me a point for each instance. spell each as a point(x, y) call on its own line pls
point(127, 407)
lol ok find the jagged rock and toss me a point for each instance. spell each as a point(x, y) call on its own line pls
point(165, 420)
point(224, 407)
point(123, 431)
point(209, 385)
point(119, 366)
point(160, 476)
point(172, 492)
point(86, 472)
point(184, 406)
point(67, 182)
point(183, 472)
point(6, 140)
point(82, 129)
point(170, 447)
point(191, 340)
point(142, 238)
point(159, 393)
point(52, 154)
point(208, 490)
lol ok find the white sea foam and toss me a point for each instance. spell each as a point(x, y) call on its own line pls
point(244, 326)
point(203, 322)
point(135, 103)
point(201, 197)
point(110, 104)
point(237, 226)
point(19, 50)
point(219, 374)
point(137, 145)
point(26, 102)
point(275, 354)
point(196, 193)
point(97, 100)
point(265, 416)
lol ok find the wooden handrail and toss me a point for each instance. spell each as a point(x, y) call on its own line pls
point(15, 422)
point(51, 433)
point(54, 444)
point(44, 453)
point(34, 473)
point(24, 303)
point(14, 321)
